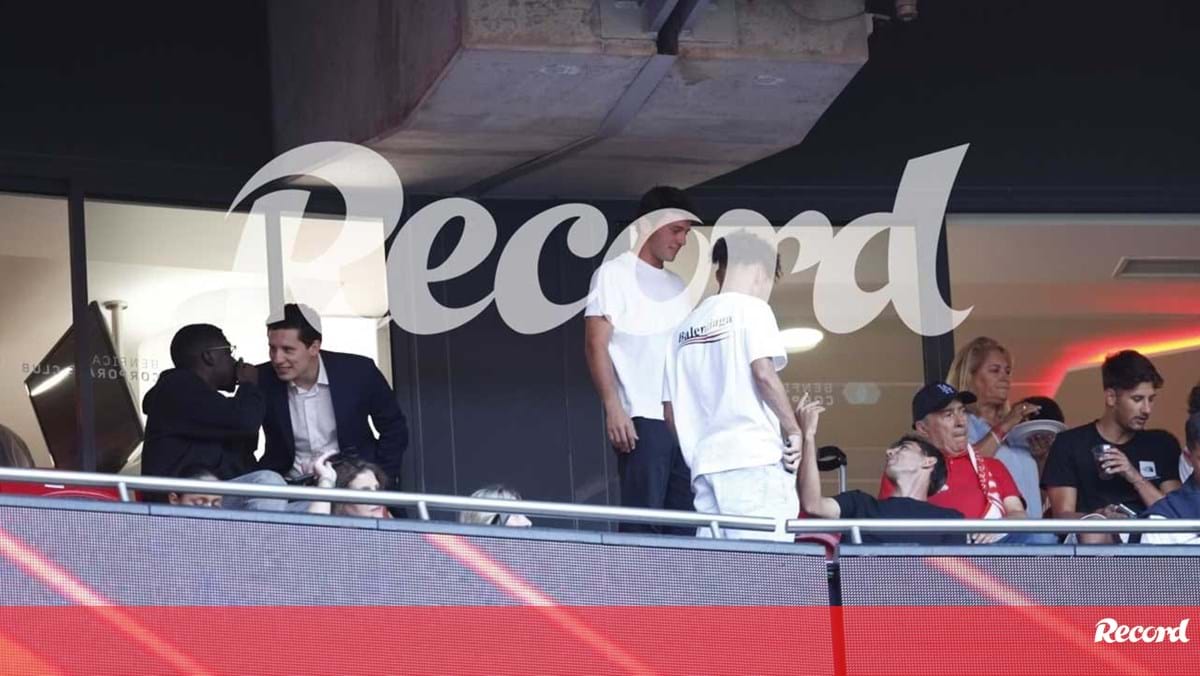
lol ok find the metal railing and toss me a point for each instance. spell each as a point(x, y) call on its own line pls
point(856, 527)
point(716, 523)
point(423, 502)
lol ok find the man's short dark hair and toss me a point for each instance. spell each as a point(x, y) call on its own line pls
point(196, 471)
point(665, 197)
point(293, 318)
point(193, 340)
point(750, 249)
point(937, 478)
point(1127, 369)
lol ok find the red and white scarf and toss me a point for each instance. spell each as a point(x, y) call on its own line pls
point(987, 484)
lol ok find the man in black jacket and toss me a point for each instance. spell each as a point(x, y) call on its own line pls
point(189, 421)
point(320, 400)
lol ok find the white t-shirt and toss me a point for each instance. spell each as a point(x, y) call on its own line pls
point(644, 304)
point(721, 420)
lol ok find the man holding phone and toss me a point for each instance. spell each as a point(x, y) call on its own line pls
point(1114, 467)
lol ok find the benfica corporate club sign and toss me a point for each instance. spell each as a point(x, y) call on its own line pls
point(841, 306)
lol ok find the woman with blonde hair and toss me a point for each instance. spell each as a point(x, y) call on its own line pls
point(983, 367)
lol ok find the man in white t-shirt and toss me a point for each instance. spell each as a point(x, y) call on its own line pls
point(633, 306)
point(723, 396)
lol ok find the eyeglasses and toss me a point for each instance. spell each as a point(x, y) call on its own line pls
point(232, 349)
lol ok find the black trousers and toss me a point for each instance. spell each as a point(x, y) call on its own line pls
point(654, 475)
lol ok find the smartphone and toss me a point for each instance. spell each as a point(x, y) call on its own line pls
point(1125, 510)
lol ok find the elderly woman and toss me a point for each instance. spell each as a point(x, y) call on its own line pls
point(497, 492)
point(983, 367)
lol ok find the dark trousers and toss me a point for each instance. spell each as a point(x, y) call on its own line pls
point(654, 475)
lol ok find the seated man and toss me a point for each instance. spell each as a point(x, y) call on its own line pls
point(319, 401)
point(197, 473)
point(978, 488)
point(1114, 467)
point(189, 421)
point(914, 465)
point(1184, 502)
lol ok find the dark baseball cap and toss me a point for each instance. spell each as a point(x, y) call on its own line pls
point(936, 396)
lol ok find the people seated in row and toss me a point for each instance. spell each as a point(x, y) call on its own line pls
point(1184, 502)
point(1114, 467)
point(914, 466)
point(292, 398)
point(976, 487)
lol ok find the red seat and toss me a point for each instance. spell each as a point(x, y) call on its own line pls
point(60, 491)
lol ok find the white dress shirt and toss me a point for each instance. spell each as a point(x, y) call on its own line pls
point(313, 424)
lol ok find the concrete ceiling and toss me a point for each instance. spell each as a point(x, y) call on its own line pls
point(537, 98)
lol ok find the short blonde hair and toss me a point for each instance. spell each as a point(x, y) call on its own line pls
point(495, 491)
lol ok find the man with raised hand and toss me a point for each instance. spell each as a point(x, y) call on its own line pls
point(976, 487)
point(634, 304)
point(723, 397)
point(914, 465)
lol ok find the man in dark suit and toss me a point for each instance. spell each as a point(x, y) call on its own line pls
point(319, 400)
point(189, 421)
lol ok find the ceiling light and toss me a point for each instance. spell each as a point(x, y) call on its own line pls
point(1157, 267)
point(801, 340)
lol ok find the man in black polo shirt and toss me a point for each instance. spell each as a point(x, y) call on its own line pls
point(917, 468)
point(1114, 464)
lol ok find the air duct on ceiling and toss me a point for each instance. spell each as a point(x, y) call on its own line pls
point(550, 98)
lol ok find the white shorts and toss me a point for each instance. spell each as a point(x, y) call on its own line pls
point(766, 490)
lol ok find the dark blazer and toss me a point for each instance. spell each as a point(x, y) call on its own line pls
point(359, 392)
point(190, 423)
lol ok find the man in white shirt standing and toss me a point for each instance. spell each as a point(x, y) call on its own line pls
point(723, 396)
point(633, 306)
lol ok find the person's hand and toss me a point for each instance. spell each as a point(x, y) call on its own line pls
point(1019, 414)
point(1040, 443)
point(621, 432)
point(792, 451)
point(1116, 463)
point(1111, 512)
point(323, 469)
point(247, 373)
point(808, 413)
point(984, 538)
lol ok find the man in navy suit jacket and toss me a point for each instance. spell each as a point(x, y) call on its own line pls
point(319, 400)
